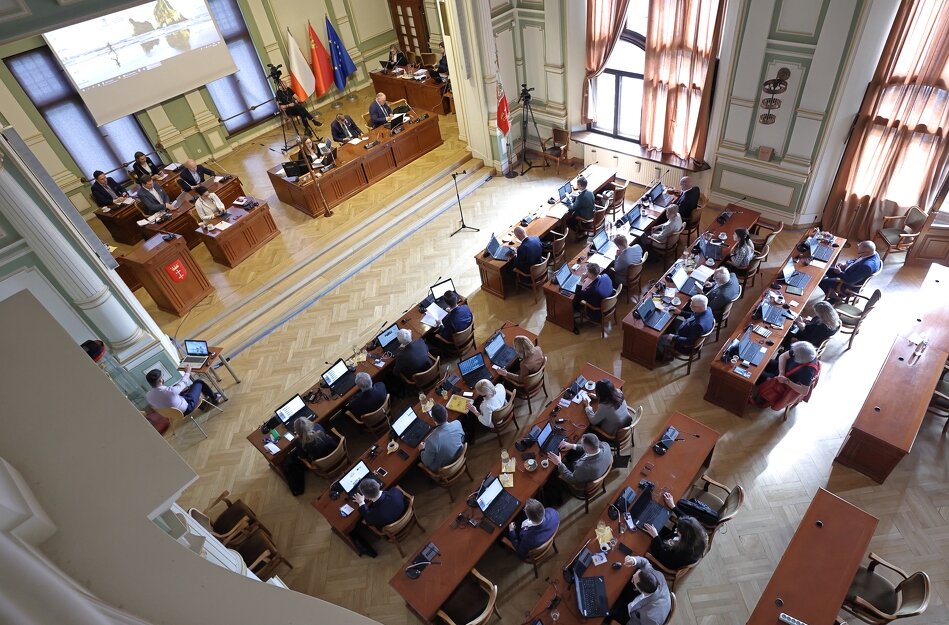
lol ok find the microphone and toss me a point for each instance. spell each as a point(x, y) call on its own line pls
point(459, 173)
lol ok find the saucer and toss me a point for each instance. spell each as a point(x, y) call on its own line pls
point(710, 262)
point(676, 301)
point(590, 385)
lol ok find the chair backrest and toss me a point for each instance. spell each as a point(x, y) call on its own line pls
point(608, 304)
point(558, 243)
point(672, 608)
point(723, 313)
point(914, 595)
point(503, 415)
point(732, 504)
point(539, 271)
point(367, 120)
point(336, 459)
point(562, 137)
point(635, 271)
point(464, 340)
point(491, 590)
point(694, 219)
point(599, 218)
point(536, 379)
point(699, 343)
point(398, 528)
point(174, 416)
point(915, 219)
point(543, 551)
point(426, 379)
point(591, 487)
point(450, 471)
point(429, 58)
point(377, 417)
point(398, 103)
point(871, 302)
point(411, 58)
point(619, 196)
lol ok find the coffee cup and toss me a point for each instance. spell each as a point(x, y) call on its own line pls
point(544, 463)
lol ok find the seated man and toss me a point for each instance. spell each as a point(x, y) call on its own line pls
point(344, 128)
point(443, 61)
point(688, 199)
point(383, 507)
point(539, 525)
point(626, 256)
point(582, 206)
point(412, 356)
point(853, 272)
point(529, 252)
point(592, 465)
point(192, 174)
point(660, 236)
point(459, 318)
point(725, 289)
point(646, 601)
point(379, 111)
point(105, 190)
point(152, 196)
point(184, 395)
point(683, 336)
point(443, 443)
point(594, 288)
point(368, 396)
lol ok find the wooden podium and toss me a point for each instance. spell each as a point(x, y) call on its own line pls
point(168, 272)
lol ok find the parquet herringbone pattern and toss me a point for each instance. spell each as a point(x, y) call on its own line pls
point(779, 464)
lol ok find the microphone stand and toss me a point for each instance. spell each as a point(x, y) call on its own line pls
point(463, 225)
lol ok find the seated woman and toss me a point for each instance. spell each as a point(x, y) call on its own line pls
point(488, 398)
point(612, 413)
point(530, 358)
point(313, 442)
point(743, 252)
point(824, 324)
point(788, 378)
point(685, 545)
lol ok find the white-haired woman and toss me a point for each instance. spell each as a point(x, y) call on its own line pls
point(488, 398)
point(788, 378)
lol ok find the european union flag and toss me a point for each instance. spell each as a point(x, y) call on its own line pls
point(343, 65)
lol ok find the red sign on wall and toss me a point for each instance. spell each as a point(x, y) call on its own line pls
point(177, 271)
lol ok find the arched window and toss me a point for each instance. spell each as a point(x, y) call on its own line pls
point(618, 91)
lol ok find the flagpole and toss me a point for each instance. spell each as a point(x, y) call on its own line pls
point(511, 171)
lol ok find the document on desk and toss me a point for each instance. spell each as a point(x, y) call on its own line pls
point(219, 179)
point(271, 449)
point(819, 264)
point(355, 141)
point(222, 225)
point(702, 273)
point(433, 314)
point(599, 260)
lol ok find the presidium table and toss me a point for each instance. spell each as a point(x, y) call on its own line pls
point(357, 166)
point(420, 94)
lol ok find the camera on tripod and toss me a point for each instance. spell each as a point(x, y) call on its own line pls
point(525, 95)
point(275, 72)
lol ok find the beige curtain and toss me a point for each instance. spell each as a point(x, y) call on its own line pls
point(681, 44)
point(605, 22)
point(898, 153)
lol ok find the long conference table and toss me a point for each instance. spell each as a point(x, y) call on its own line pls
point(496, 274)
point(886, 426)
point(460, 544)
point(727, 388)
point(424, 95)
point(397, 462)
point(357, 166)
point(676, 471)
point(639, 340)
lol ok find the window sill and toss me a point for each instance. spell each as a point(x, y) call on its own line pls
point(630, 148)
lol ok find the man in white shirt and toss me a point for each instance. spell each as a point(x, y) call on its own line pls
point(184, 395)
point(660, 235)
point(646, 600)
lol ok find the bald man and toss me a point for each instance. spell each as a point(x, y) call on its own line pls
point(529, 252)
point(379, 111)
point(193, 174)
point(688, 198)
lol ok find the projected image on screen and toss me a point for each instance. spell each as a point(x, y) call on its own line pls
point(173, 43)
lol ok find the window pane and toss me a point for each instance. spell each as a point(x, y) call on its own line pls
point(228, 18)
point(631, 104)
point(627, 57)
point(42, 79)
point(637, 16)
point(126, 138)
point(605, 87)
point(72, 124)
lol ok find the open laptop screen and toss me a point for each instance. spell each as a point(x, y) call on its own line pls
point(468, 365)
point(544, 434)
point(646, 308)
point(600, 239)
point(493, 245)
point(442, 287)
point(563, 273)
point(788, 269)
point(404, 421)
point(355, 475)
point(492, 491)
point(679, 277)
point(565, 189)
point(388, 335)
point(290, 408)
point(335, 372)
point(196, 348)
point(494, 345)
point(656, 191)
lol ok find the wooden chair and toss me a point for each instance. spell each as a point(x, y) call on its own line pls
point(800, 398)
point(367, 120)
point(899, 234)
point(672, 575)
point(589, 227)
point(691, 228)
point(841, 291)
point(175, 417)
point(540, 553)
point(429, 58)
point(402, 102)
point(450, 473)
point(504, 416)
point(333, 463)
point(852, 315)
point(624, 437)
point(396, 531)
point(532, 386)
point(606, 309)
point(376, 422)
point(634, 278)
point(752, 270)
point(461, 343)
point(411, 57)
point(617, 206)
point(672, 607)
point(558, 251)
point(261, 555)
point(721, 318)
point(474, 602)
point(557, 147)
point(874, 599)
point(726, 508)
point(533, 279)
point(668, 250)
point(694, 353)
point(232, 526)
point(426, 380)
point(771, 229)
point(939, 404)
point(591, 490)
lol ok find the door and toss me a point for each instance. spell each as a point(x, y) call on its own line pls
point(408, 16)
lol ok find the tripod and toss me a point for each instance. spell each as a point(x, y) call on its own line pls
point(525, 98)
point(275, 75)
point(463, 225)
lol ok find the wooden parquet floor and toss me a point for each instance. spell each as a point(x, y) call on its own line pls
point(780, 464)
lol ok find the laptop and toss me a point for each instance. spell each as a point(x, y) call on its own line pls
point(645, 510)
point(548, 440)
point(651, 316)
point(660, 197)
point(793, 277)
point(820, 250)
point(567, 281)
point(709, 249)
point(294, 409)
point(774, 315)
point(684, 282)
point(473, 370)
point(636, 220)
point(387, 65)
point(196, 353)
point(397, 120)
point(591, 591)
point(294, 169)
point(410, 428)
point(500, 353)
point(351, 480)
point(750, 350)
point(497, 504)
point(498, 251)
point(387, 340)
point(565, 190)
point(439, 290)
point(603, 245)
point(339, 378)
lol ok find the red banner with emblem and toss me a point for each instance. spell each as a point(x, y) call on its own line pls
point(177, 271)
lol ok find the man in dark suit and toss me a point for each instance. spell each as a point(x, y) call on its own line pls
point(529, 252)
point(368, 397)
point(344, 128)
point(383, 507)
point(541, 523)
point(152, 196)
point(854, 272)
point(459, 317)
point(193, 174)
point(105, 190)
point(412, 356)
point(688, 199)
point(443, 61)
point(581, 207)
point(684, 336)
point(598, 286)
point(379, 111)
point(143, 166)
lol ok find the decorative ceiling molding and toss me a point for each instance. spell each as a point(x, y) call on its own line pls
point(13, 10)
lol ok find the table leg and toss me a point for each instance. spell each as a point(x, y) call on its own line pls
point(225, 360)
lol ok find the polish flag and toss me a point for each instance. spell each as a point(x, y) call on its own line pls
point(301, 76)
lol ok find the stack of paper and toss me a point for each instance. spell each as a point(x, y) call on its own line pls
point(355, 141)
point(702, 273)
point(173, 166)
point(222, 225)
point(457, 403)
point(433, 314)
point(218, 178)
point(271, 448)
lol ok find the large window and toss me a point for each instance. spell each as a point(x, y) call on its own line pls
point(237, 94)
point(93, 147)
point(618, 91)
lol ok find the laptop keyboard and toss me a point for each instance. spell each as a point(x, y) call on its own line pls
point(750, 351)
point(823, 252)
point(774, 316)
point(591, 596)
point(659, 319)
point(502, 508)
point(654, 514)
point(504, 356)
point(414, 434)
point(798, 279)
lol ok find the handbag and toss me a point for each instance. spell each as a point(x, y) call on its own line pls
point(778, 395)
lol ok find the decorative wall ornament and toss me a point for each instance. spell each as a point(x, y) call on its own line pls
point(773, 87)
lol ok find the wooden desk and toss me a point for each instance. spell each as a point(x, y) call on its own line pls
point(122, 222)
point(357, 168)
point(247, 233)
point(460, 545)
point(169, 273)
point(811, 581)
point(929, 313)
point(168, 180)
point(494, 273)
point(209, 375)
point(423, 95)
point(183, 220)
point(640, 341)
point(676, 471)
point(393, 463)
point(732, 391)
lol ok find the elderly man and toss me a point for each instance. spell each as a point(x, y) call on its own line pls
point(529, 252)
point(688, 199)
point(368, 397)
point(626, 257)
point(412, 356)
point(852, 273)
point(659, 236)
point(193, 174)
point(725, 289)
point(682, 336)
point(152, 196)
point(591, 465)
point(379, 111)
point(646, 601)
